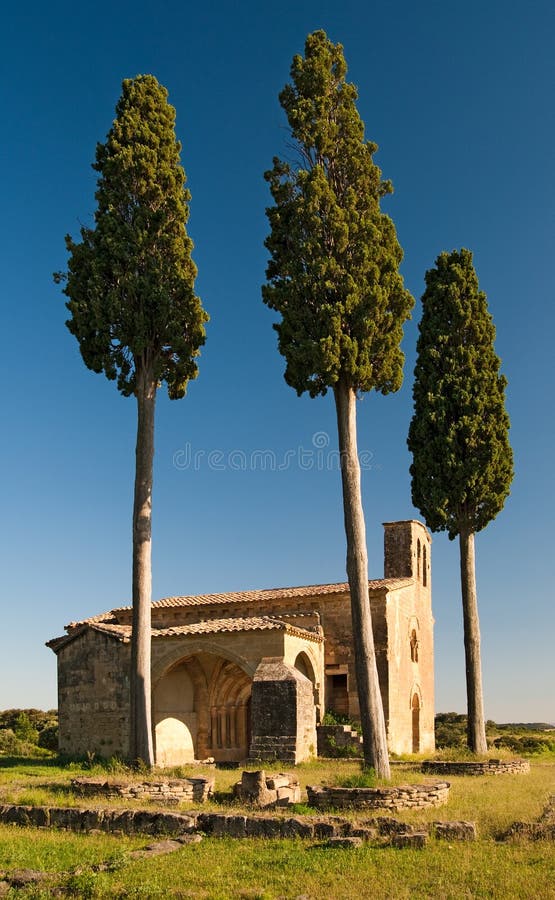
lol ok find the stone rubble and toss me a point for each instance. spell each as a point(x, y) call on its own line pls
point(265, 791)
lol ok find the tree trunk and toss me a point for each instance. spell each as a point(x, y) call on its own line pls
point(369, 695)
point(141, 745)
point(476, 726)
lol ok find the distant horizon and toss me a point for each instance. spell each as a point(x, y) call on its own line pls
point(510, 724)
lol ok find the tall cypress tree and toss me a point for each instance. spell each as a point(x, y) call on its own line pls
point(133, 309)
point(334, 277)
point(459, 437)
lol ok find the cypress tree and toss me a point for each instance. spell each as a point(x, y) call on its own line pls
point(334, 278)
point(462, 461)
point(134, 312)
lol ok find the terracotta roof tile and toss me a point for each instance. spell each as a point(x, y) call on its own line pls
point(314, 590)
point(213, 626)
point(253, 623)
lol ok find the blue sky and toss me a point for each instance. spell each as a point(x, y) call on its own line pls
point(459, 99)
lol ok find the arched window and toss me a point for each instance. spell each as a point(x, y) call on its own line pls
point(418, 558)
point(424, 567)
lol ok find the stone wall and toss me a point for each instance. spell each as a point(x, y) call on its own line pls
point(383, 828)
point(93, 696)
point(175, 790)
point(407, 796)
point(488, 767)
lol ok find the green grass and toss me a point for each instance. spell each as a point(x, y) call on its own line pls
point(366, 778)
point(220, 869)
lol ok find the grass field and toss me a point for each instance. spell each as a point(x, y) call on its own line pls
point(219, 868)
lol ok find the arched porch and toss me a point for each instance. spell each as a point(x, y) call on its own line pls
point(201, 709)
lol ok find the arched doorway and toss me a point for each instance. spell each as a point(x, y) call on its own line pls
point(177, 723)
point(415, 707)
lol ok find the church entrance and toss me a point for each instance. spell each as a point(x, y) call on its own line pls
point(201, 708)
point(415, 705)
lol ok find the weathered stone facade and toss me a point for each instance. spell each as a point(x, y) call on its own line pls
point(212, 659)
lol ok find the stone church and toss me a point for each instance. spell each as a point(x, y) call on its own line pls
point(251, 673)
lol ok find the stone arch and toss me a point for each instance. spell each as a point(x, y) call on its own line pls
point(199, 646)
point(304, 664)
point(180, 719)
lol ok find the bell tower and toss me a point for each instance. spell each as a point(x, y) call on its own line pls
point(407, 548)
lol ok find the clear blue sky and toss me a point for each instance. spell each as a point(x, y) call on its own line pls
point(459, 98)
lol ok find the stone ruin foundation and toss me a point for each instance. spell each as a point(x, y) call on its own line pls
point(405, 796)
point(171, 791)
point(264, 791)
point(485, 767)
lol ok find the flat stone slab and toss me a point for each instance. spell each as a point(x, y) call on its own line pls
point(350, 842)
point(411, 840)
point(455, 831)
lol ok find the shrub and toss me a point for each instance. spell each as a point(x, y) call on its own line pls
point(24, 730)
point(528, 745)
point(8, 741)
point(333, 718)
point(48, 738)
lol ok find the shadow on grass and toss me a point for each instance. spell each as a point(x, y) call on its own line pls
point(13, 762)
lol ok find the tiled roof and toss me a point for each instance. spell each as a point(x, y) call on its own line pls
point(314, 590)
point(254, 623)
point(213, 626)
point(121, 632)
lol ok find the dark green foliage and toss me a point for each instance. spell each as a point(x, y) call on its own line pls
point(130, 284)
point(333, 273)
point(130, 278)
point(37, 719)
point(450, 730)
point(331, 717)
point(462, 460)
point(527, 745)
point(48, 738)
point(333, 277)
point(8, 742)
point(523, 739)
point(24, 730)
